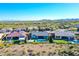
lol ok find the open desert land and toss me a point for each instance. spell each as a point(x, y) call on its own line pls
point(41, 50)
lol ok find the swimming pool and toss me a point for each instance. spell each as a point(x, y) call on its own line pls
point(41, 40)
point(75, 42)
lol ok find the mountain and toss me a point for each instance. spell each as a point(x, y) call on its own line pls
point(72, 19)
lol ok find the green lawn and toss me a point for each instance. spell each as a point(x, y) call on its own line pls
point(60, 41)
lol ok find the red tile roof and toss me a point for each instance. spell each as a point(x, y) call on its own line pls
point(15, 33)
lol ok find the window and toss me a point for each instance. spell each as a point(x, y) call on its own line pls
point(71, 38)
point(15, 38)
point(58, 37)
point(34, 36)
point(4, 38)
point(40, 37)
point(8, 38)
point(21, 36)
point(64, 37)
point(53, 35)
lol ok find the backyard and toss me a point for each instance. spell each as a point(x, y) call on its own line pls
point(61, 42)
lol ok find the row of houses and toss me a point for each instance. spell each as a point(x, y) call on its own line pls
point(39, 36)
point(60, 34)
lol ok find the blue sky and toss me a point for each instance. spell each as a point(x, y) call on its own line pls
point(38, 11)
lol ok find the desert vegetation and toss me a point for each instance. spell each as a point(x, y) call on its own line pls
point(41, 50)
point(44, 24)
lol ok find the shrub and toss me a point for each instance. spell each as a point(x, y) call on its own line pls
point(35, 43)
point(30, 54)
point(43, 51)
point(1, 45)
point(21, 42)
point(16, 41)
point(38, 54)
point(9, 45)
point(50, 39)
point(71, 47)
point(50, 54)
point(30, 50)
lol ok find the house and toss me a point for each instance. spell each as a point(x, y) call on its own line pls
point(5, 31)
point(76, 41)
point(39, 36)
point(15, 35)
point(64, 34)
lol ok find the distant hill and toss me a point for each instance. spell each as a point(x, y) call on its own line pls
point(44, 20)
point(59, 20)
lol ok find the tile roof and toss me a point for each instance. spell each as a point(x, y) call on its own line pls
point(39, 33)
point(15, 33)
point(64, 32)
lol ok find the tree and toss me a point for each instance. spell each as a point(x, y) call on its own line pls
point(77, 29)
point(25, 41)
point(39, 29)
point(50, 39)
